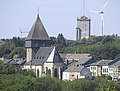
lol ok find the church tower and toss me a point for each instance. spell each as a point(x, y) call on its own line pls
point(83, 28)
point(36, 38)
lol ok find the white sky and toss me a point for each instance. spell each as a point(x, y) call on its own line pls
point(58, 16)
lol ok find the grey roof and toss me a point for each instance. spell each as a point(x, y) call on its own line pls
point(20, 62)
point(38, 31)
point(74, 68)
point(41, 56)
point(73, 55)
point(102, 63)
point(116, 64)
point(14, 62)
point(81, 58)
point(7, 60)
point(85, 71)
point(57, 57)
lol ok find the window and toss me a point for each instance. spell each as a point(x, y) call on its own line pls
point(40, 57)
point(77, 76)
point(105, 70)
point(55, 72)
point(66, 75)
point(49, 72)
point(43, 57)
point(37, 72)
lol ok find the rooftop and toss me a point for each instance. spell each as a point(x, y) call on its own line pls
point(38, 31)
point(102, 63)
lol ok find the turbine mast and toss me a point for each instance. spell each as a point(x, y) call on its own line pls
point(83, 7)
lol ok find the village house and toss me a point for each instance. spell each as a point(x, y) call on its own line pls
point(76, 66)
point(106, 67)
point(100, 68)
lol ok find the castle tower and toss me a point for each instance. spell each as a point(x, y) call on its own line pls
point(83, 28)
point(36, 38)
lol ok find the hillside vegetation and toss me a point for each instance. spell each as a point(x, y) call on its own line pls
point(99, 47)
point(12, 78)
point(106, 47)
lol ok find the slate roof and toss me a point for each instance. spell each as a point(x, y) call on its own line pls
point(116, 63)
point(80, 58)
point(85, 71)
point(38, 31)
point(7, 60)
point(102, 63)
point(21, 62)
point(41, 56)
point(57, 57)
point(74, 68)
point(73, 55)
point(78, 68)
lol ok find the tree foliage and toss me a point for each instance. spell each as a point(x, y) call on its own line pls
point(105, 47)
point(7, 49)
point(16, 79)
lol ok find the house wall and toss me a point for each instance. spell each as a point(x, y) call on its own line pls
point(29, 54)
point(99, 70)
point(94, 70)
point(115, 73)
point(70, 75)
point(111, 71)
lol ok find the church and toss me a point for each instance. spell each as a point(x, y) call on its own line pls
point(44, 59)
point(41, 57)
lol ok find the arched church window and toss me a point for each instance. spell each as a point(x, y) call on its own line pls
point(40, 57)
point(46, 70)
point(49, 72)
point(77, 76)
point(37, 72)
point(61, 73)
point(55, 72)
point(43, 57)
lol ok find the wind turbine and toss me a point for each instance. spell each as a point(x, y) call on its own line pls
point(22, 32)
point(101, 13)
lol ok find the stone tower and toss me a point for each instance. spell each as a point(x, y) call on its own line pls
point(36, 38)
point(83, 28)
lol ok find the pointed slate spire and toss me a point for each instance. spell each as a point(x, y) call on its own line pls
point(38, 31)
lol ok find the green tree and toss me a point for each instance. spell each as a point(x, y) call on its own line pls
point(61, 43)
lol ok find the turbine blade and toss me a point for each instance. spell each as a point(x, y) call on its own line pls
point(95, 12)
point(105, 5)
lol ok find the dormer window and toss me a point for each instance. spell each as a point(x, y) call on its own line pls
point(40, 57)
